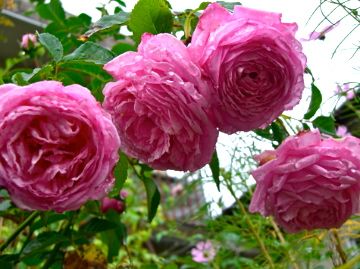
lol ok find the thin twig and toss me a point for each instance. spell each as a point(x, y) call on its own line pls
point(283, 242)
point(251, 226)
point(21, 227)
point(351, 263)
point(338, 246)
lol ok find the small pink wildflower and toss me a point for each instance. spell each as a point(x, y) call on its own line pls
point(177, 189)
point(203, 252)
point(124, 194)
point(346, 91)
point(342, 131)
point(320, 35)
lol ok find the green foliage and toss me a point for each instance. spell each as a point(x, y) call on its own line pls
point(316, 99)
point(229, 6)
point(275, 132)
point(53, 45)
point(150, 16)
point(120, 173)
point(42, 242)
point(52, 11)
point(152, 194)
point(120, 48)
point(107, 22)
point(23, 78)
point(97, 225)
point(90, 52)
point(325, 124)
point(215, 169)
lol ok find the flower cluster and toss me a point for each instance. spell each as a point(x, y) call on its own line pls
point(309, 182)
point(168, 103)
point(240, 72)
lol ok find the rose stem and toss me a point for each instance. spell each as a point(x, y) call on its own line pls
point(338, 246)
point(350, 264)
point(283, 242)
point(57, 247)
point(21, 227)
point(251, 226)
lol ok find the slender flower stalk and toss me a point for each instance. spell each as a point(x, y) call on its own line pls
point(21, 227)
point(251, 226)
point(283, 242)
point(338, 245)
point(351, 263)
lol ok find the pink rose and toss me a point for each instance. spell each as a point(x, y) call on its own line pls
point(157, 106)
point(57, 146)
point(28, 40)
point(254, 62)
point(110, 203)
point(310, 182)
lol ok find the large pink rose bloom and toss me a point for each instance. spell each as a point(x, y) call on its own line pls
point(254, 62)
point(57, 146)
point(309, 182)
point(157, 106)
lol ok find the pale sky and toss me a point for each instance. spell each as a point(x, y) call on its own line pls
point(328, 71)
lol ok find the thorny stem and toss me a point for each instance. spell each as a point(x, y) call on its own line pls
point(283, 242)
point(21, 227)
point(129, 255)
point(251, 226)
point(57, 247)
point(351, 263)
point(338, 246)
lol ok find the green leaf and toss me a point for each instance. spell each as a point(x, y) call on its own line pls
point(153, 196)
point(8, 261)
point(325, 124)
point(150, 16)
point(108, 21)
point(265, 133)
point(4, 205)
point(91, 69)
point(274, 132)
point(52, 11)
point(215, 169)
point(227, 5)
point(22, 78)
point(315, 102)
point(47, 219)
point(203, 6)
point(120, 2)
point(53, 45)
point(114, 238)
point(120, 173)
point(120, 48)
point(78, 24)
point(97, 225)
point(90, 52)
point(42, 242)
point(279, 132)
